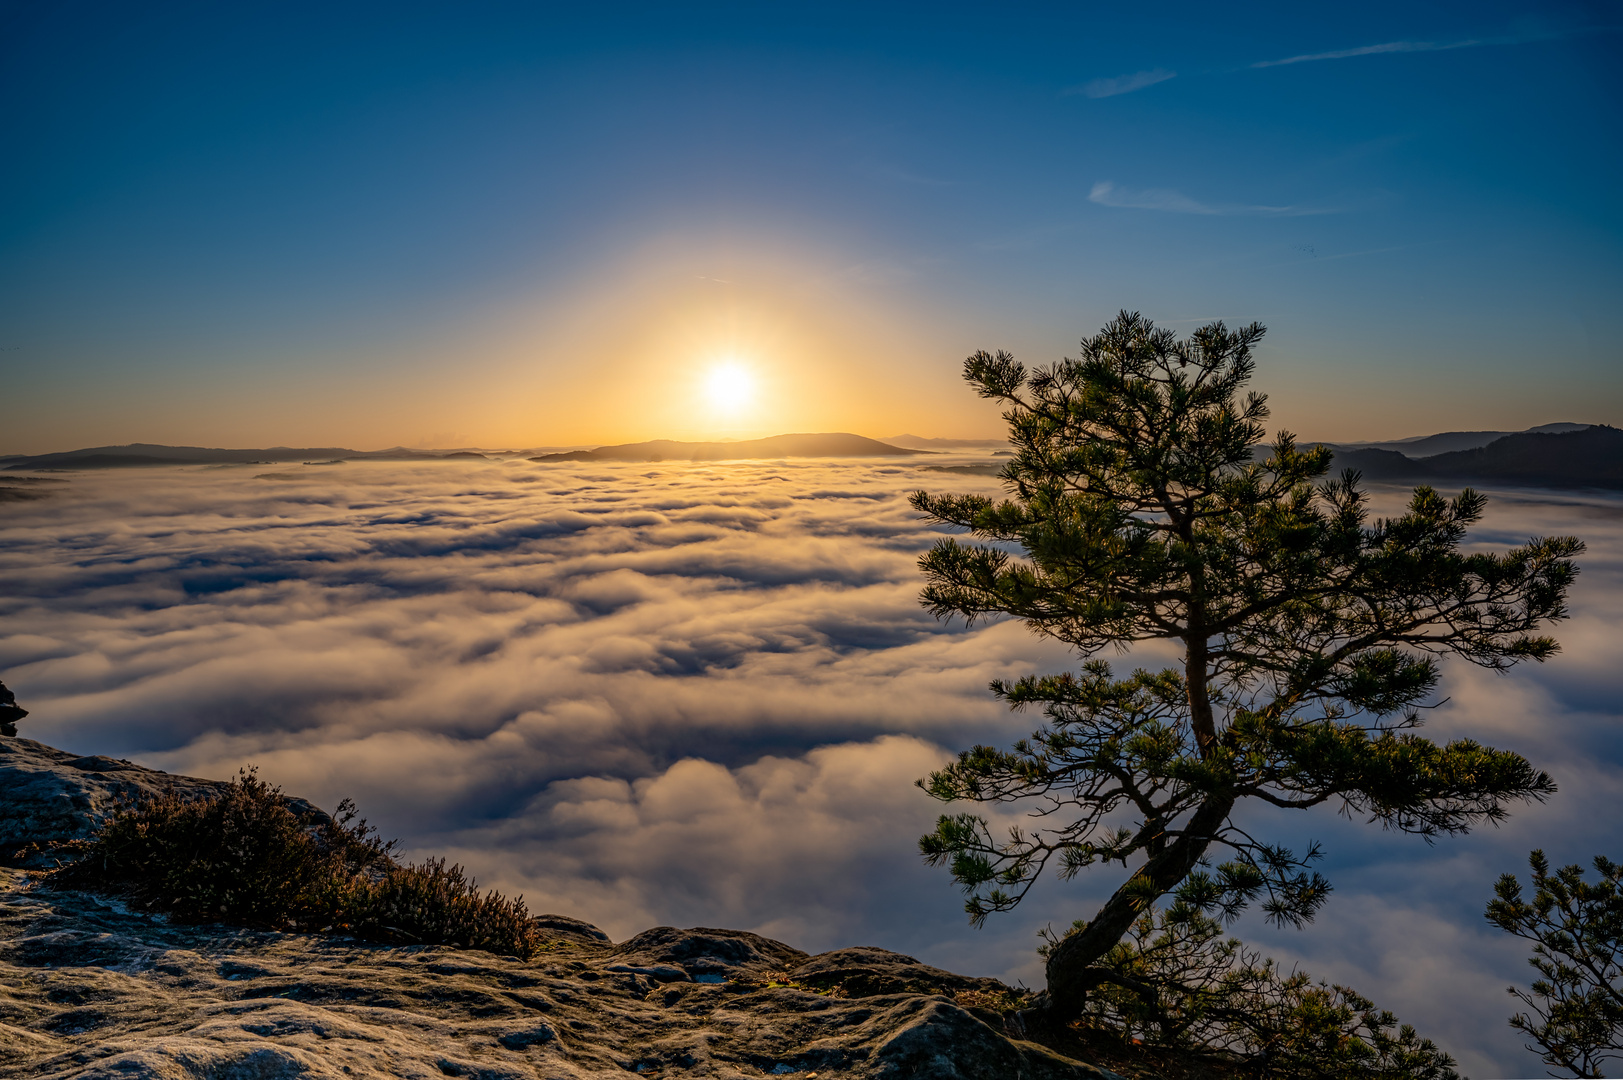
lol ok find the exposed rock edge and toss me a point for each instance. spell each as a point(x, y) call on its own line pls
point(90, 989)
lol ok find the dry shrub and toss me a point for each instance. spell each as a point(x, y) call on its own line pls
point(244, 857)
point(432, 903)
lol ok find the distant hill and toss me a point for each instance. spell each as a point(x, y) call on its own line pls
point(919, 442)
point(831, 444)
point(136, 454)
point(1589, 456)
point(1554, 455)
point(106, 457)
point(1419, 446)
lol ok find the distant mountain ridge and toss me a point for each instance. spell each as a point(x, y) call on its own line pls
point(134, 454)
point(1419, 446)
point(1589, 456)
point(138, 454)
point(919, 442)
point(823, 444)
point(1552, 455)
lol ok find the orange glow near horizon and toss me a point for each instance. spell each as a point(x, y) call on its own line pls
point(691, 338)
point(780, 340)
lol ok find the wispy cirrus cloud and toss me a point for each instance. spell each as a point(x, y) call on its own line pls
point(1121, 84)
point(1138, 80)
point(1167, 200)
point(896, 174)
point(1376, 50)
point(1427, 46)
point(1106, 193)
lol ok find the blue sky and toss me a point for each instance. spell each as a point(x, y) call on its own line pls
point(515, 225)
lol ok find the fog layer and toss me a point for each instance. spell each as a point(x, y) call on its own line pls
point(699, 695)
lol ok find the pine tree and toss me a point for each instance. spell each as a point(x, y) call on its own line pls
point(1310, 638)
point(1575, 1016)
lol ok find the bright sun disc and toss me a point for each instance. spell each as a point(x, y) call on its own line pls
point(729, 387)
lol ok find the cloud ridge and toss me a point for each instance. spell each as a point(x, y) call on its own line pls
point(1168, 200)
point(1122, 84)
point(1429, 46)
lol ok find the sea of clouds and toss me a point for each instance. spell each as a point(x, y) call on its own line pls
point(699, 694)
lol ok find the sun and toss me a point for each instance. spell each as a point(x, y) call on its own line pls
point(729, 386)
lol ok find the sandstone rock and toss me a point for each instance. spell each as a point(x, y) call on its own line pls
point(707, 955)
point(90, 990)
point(568, 929)
point(864, 970)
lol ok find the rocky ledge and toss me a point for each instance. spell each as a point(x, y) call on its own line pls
point(89, 988)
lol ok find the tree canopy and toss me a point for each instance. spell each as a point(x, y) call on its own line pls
point(1141, 506)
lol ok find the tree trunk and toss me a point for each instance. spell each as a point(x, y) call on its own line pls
point(1070, 970)
point(1201, 719)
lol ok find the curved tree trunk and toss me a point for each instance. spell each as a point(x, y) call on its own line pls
point(1070, 971)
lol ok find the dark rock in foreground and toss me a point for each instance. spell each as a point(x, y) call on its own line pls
point(90, 989)
point(10, 711)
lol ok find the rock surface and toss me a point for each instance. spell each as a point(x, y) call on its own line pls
point(89, 989)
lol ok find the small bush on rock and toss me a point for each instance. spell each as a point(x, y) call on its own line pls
point(433, 903)
point(243, 857)
point(246, 858)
